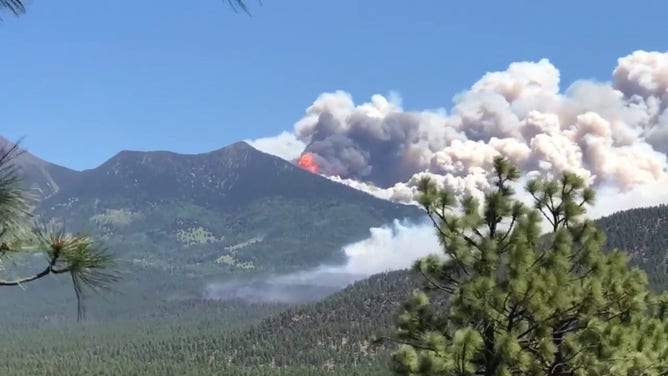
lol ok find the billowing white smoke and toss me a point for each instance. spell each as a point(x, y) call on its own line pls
point(614, 134)
point(285, 145)
point(388, 248)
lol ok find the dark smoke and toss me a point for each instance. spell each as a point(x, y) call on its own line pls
point(613, 134)
point(372, 149)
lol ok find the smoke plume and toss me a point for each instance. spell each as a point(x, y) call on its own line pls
point(615, 134)
point(391, 247)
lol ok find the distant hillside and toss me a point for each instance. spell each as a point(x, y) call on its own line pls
point(344, 322)
point(643, 233)
point(330, 337)
point(338, 329)
point(199, 338)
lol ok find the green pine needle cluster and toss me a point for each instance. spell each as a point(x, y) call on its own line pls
point(18, 7)
point(509, 298)
point(90, 267)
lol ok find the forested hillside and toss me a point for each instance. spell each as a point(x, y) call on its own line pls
point(208, 338)
point(643, 233)
point(330, 337)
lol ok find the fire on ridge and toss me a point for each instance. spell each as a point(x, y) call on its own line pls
point(307, 161)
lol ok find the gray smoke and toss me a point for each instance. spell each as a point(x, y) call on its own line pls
point(303, 287)
point(615, 133)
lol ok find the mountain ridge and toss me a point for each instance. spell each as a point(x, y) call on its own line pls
point(42, 177)
point(50, 179)
point(233, 174)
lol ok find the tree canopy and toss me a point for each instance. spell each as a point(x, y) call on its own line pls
point(18, 7)
point(89, 266)
point(511, 299)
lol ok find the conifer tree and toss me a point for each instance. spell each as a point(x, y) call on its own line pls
point(511, 299)
point(18, 7)
point(78, 256)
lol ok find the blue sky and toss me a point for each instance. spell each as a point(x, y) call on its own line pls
point(83, 80)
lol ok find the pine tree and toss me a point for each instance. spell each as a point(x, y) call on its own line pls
point(18, 7)
point(511, 299)
point(79, 256)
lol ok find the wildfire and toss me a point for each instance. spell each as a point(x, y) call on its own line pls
point(307, 161)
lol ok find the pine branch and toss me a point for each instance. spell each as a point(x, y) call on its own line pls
point(21, 281)
point(435, 284)
point(16, 7)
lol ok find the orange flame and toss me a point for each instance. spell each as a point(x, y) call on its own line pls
point(307, 161)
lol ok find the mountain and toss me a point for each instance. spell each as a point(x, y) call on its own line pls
point(227, 178)
point(179, 222)
point(233, 208)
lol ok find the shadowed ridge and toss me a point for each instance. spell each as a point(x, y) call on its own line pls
point(226, 177)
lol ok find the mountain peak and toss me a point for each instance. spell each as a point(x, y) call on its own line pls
point(239, 145)
point(236, 151)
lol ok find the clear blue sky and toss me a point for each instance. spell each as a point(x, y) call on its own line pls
point(85, 79)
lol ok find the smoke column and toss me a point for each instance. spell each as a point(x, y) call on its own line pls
point(615, 134)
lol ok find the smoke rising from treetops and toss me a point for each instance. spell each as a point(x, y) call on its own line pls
point(390, 247)
point(615, 134)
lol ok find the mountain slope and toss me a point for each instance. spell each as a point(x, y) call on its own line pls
point(643, 233)
point(41, 177)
